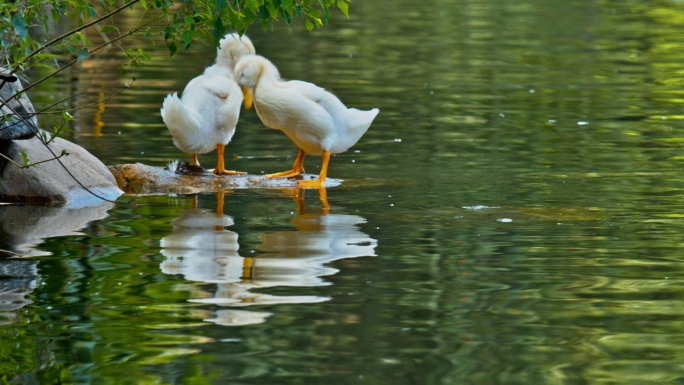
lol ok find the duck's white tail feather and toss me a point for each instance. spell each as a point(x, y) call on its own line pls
point(358, 122)
point(361, 120)
point(182, 122)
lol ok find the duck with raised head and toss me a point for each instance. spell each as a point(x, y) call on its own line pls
point(204, 118)
point(313, 118)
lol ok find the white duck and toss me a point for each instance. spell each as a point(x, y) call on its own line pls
point(205, 117)
point(313, 118)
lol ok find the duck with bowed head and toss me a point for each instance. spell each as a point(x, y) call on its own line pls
point(313, 118)
point(204, 118)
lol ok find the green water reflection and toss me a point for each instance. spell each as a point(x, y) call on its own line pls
point(513, 216)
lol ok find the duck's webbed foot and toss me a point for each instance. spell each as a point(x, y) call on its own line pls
point(297, 168)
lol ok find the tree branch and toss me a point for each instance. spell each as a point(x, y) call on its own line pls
point(64, 153)
point(76, 60)
point(73, 31)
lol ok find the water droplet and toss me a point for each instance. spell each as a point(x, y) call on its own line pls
point(581, 123)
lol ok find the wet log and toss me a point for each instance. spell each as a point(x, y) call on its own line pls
point(184, 179)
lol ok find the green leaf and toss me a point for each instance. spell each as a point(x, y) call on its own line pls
point(172, 48)
point(263, 13)
point(326, 13)
point(55, 14)
point(67, 117)
point(309, 26)
point(187, 37)
point(107, 28)
point(286, 3)
point(189, 20)
point(219, 30)
point(221, 5)
point(91, 10)
point(286, 16)
point(24, 158)
point(82, 54)
point(19, 25)
point(143, 3)
point(168, 32)
point(344, 7)
point(104, 7)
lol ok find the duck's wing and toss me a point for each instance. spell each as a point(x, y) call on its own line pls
point(218, 86)
point(324, 99)
point(299, 109)
point(318, 95)
point(349, 123)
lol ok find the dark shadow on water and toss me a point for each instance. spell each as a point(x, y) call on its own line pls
point(22, 229)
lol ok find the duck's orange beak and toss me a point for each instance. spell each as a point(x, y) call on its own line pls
point(248, 97)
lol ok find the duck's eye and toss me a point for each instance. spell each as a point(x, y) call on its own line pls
point(242, 74)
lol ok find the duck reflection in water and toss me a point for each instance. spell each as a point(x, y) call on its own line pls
point(201, 249)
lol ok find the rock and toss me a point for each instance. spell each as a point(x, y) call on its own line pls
point(143, 179)
point(49, 182)
point(17, 118)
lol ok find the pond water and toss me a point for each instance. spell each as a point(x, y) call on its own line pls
point(514, 215)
